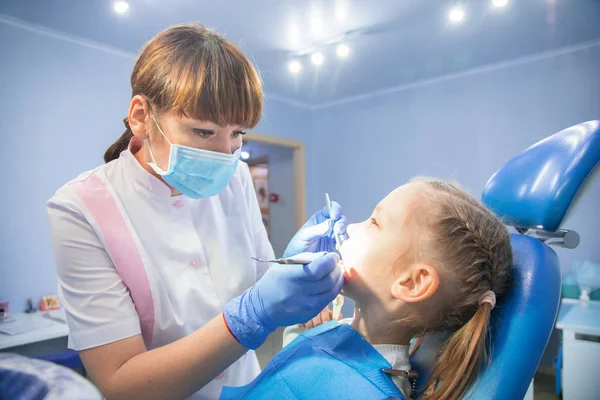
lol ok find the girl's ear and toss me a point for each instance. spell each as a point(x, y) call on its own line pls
point(416, 283)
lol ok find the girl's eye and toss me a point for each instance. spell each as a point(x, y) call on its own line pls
point(204, 133)
point(238, 133)
point(374, 221)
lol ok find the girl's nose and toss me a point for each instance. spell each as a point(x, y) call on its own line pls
point(349, 229)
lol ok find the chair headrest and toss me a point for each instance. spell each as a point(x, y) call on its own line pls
point(539, 188)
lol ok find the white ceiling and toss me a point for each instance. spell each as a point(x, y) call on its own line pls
point(399, 41)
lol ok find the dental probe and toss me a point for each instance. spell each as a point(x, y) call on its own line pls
point(286, 261)
point(338, 302)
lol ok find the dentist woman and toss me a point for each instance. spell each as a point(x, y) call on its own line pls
point(153, 249)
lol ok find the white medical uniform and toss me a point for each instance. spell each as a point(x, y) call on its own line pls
point(133, 259)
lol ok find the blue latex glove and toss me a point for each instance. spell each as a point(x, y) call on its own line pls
point(317, 234)
point(285, 295)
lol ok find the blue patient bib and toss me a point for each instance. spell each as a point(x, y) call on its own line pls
point(331, 361)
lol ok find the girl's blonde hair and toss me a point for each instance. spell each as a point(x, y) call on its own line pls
point(472, 249)
point(194, 72)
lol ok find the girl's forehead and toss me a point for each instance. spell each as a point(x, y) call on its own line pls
point(401, 196)
point(401, 203)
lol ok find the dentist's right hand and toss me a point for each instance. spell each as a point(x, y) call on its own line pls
point(285, 295)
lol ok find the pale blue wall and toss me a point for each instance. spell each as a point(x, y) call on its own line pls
point(61, 106)
point(463, 129)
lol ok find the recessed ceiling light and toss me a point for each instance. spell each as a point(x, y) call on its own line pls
point(317, 58)
point(456, 15)
point(244, 155)
point(294, 66)
point(342, 50)
point(499, 3)
point(121, 7)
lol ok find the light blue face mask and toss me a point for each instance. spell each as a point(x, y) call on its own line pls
point(196, 173)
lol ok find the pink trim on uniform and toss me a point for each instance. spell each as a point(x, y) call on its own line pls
point(122, 248)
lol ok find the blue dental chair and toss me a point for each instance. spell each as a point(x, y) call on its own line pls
point(535, 193)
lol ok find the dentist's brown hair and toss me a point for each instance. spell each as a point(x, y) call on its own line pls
point(194, 72)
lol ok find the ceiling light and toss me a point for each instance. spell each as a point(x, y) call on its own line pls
point(317, 58)
point(294, 67)
point(499, 3)
point(456, 15)
point(342, 50)
point(244, 155)
point(121, 7)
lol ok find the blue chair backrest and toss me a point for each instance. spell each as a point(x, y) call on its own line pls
point(537, 189)
point(522, 321)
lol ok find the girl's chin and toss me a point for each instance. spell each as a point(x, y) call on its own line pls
point(352, 282)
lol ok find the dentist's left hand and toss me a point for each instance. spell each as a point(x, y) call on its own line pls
point(317, 234)
point(285, 295)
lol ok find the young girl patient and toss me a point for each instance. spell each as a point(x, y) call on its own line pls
point(430, 258)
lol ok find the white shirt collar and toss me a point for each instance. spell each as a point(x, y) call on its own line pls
point(142, 177)
point(397, 356)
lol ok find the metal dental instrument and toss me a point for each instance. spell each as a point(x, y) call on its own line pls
point(338, 302)
point(285, 261)
point(338, 238)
